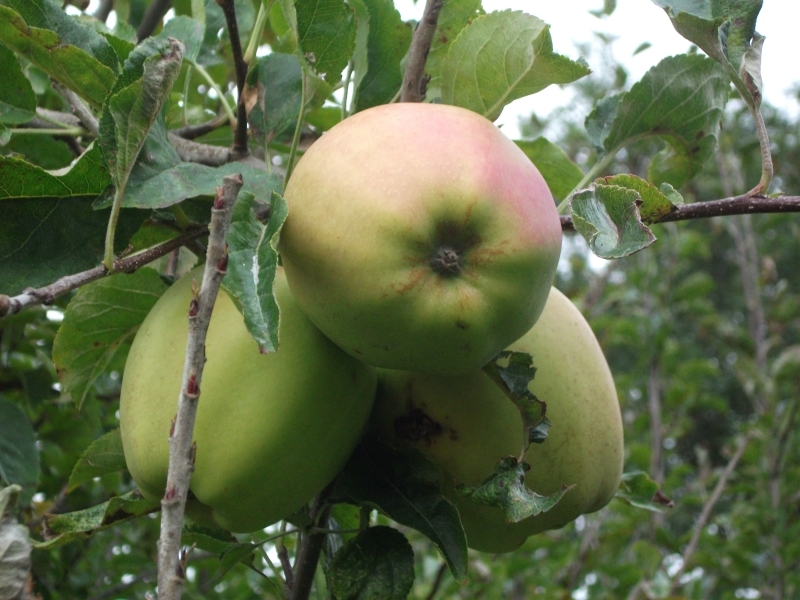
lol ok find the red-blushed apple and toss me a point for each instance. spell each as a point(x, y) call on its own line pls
point(420, 237)
point(465, 425)
point(271, 430)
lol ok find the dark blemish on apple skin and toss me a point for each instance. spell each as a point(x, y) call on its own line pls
point(461, 325)
point(357, 351)
point(417, 426)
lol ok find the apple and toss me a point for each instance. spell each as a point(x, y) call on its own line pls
point(419, 237)
point(465, 425)
point(271, 430)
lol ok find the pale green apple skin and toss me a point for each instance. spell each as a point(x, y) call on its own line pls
point(272, 429)
point(372, 201)
point(466, 425)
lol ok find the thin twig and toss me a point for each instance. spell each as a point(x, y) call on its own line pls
point(190, 132)
point(105, 8)
point(152, 17)
point(414, 81)
point(437, 582)
point(79, 109)
point(213, 156)
point(48, 294)
point(239, 147)
point(182, 451)
point(311, 547)
point(738, 205)
point(707, 508)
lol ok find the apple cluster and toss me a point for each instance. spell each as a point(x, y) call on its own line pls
point(420, 243)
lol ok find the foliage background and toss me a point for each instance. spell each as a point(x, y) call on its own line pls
point(702, 332)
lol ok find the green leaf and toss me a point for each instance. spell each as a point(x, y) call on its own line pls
point(216, 541)
point(189, 180)
point(17, 100)
point(378, 563)
point(639, 490)
point(188, 31)
point(405, 486)
point(19, 457)
point(607, 217)
point(48, 14)
point(723, 30)
point(273, 95)
point(80, 71)
point(454, 16)
point(100, 321)
point(505, 489)
point(20, 179)
point(43, 239)
point(326, 33)
point(513, 373)
point(104, 455)
point(64, 528)
point(252, 263)
point(135, 102)
point(15, 548)
point(500, 57)
point(558, 170)
point(388, 41)
point(232, 556)
point(681, 99)
point(655, 205)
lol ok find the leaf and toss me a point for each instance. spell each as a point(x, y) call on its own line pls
point(104, 455)
point(232, 556)
point(378, 563)
point(189, 180)
point(454, 16)
point(607, 217)
point(100, 321)
point(273, 95)
point(639, 490)
point(19, 457)
point(17, 100)
point(85, 177)
point(558, 170)
point(404, 485)
point(43, 239)
point(655, 205)
point(513, 372)
point(505, 489)
point(326, 33)
point(252, 263)
point(500, 57)
point(48, 14)
point(135, 102)
point(74, 67)
point(64, 528)
point(215, 541)
point(681, 99)
point(188, 31)
point(15, 549)
point(388, 41)
point(723, 30)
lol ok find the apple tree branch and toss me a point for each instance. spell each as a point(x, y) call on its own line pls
point(182, 451)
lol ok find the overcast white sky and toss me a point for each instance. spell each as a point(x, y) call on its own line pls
point(635, 22)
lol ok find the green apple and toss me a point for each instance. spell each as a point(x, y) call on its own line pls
point(420, 237)
point(272, 429)
point(465, 425)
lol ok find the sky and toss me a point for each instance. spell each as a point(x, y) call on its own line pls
point(633, 23)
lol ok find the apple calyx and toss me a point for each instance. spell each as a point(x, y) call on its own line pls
point(446, 261)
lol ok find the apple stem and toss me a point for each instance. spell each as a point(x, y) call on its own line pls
point(182, 450)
